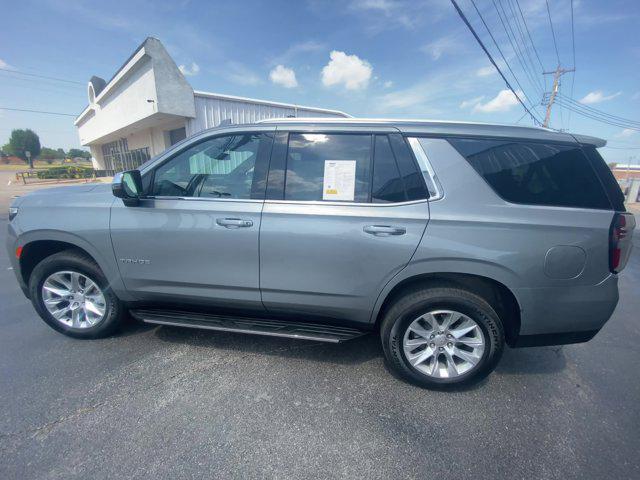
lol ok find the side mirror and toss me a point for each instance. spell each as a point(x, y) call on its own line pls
point(128, 186)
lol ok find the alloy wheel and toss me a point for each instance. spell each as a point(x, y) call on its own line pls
point(74, 299)
point(444, 344)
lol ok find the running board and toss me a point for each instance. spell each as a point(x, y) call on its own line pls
point(255, 326)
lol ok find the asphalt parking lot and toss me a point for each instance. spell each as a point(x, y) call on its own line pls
point(159, 402)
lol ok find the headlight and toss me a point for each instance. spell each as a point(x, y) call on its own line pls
point(13, 211)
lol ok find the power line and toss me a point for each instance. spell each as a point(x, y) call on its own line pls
point(525, 47)
point(553, 32)
point(42, 76)
point(599, 118)
point(535, 50)
point(471, 29)
point(501, 54)
point(514, 46)
point(42, 86)
point(62, 87)
point(593, 116)
point(38, 111)
point(573, 48)
point(600, 112)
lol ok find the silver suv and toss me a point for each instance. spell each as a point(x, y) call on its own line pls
point(449, 239)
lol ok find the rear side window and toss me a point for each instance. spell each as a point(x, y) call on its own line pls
point(387, 185)
point(535, 173)
point(412, 177)
point(606, 177)
point(332, 167)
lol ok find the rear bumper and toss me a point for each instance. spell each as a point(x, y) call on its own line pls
point(560, 315)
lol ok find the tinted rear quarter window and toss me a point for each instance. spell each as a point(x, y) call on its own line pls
point(387, 184)
point(411, 175)
point(535, 173)
point(609, 182)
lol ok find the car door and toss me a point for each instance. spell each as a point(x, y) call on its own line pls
point(194, 237)
point(344, 213)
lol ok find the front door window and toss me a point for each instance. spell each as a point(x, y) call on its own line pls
point(220, 167)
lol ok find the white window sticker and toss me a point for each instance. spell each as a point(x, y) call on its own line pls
point(339, 180)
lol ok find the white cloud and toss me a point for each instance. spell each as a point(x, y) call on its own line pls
point(441, 46)
point(626, 133)
point(4, 64)
point(500, 103)
point(598, 97)
point(283, 76)
point(349, 70)
point(189, 71)
point(472, 102)
point(387, 84)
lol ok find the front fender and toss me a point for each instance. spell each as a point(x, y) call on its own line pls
point(103, 256)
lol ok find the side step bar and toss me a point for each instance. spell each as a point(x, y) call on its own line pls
point(255, 326)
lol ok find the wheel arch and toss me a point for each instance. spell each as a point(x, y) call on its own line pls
point(37, 245)
point(498, 295)
point(36, 251)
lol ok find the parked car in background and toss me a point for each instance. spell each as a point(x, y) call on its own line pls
point(448, 239)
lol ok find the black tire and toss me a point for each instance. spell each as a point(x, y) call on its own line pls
point(76, 261)
point(406, 309)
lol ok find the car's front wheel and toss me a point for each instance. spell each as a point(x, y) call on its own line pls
point(439, 337)
point(71, 294)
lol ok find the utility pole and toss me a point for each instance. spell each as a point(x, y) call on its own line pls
point(557, 73)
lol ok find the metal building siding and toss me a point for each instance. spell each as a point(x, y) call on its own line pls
point(210, 112)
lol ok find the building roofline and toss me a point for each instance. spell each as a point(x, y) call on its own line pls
point(199, 93)
point(625, 166)
point(107, 84)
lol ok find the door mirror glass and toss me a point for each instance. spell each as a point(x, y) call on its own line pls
point(128, 186)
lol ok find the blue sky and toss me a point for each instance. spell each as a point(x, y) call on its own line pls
point(391, 58)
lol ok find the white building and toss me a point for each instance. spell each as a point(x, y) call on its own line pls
point(148, 105)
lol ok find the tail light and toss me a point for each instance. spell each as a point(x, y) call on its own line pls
point(620, 241)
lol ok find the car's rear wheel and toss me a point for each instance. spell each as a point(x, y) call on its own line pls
point(71, 294)
point(439, 337)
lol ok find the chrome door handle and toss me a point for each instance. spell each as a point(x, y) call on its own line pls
point(384, 230)
point(234, 222)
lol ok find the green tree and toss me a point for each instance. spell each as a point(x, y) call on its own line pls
point(49, 154)
point(76, 152)
point(22, 141)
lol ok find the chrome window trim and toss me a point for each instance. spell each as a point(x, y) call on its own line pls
point(203, 199)
point(345, 204)
point(292, 202)
point(425, 167)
